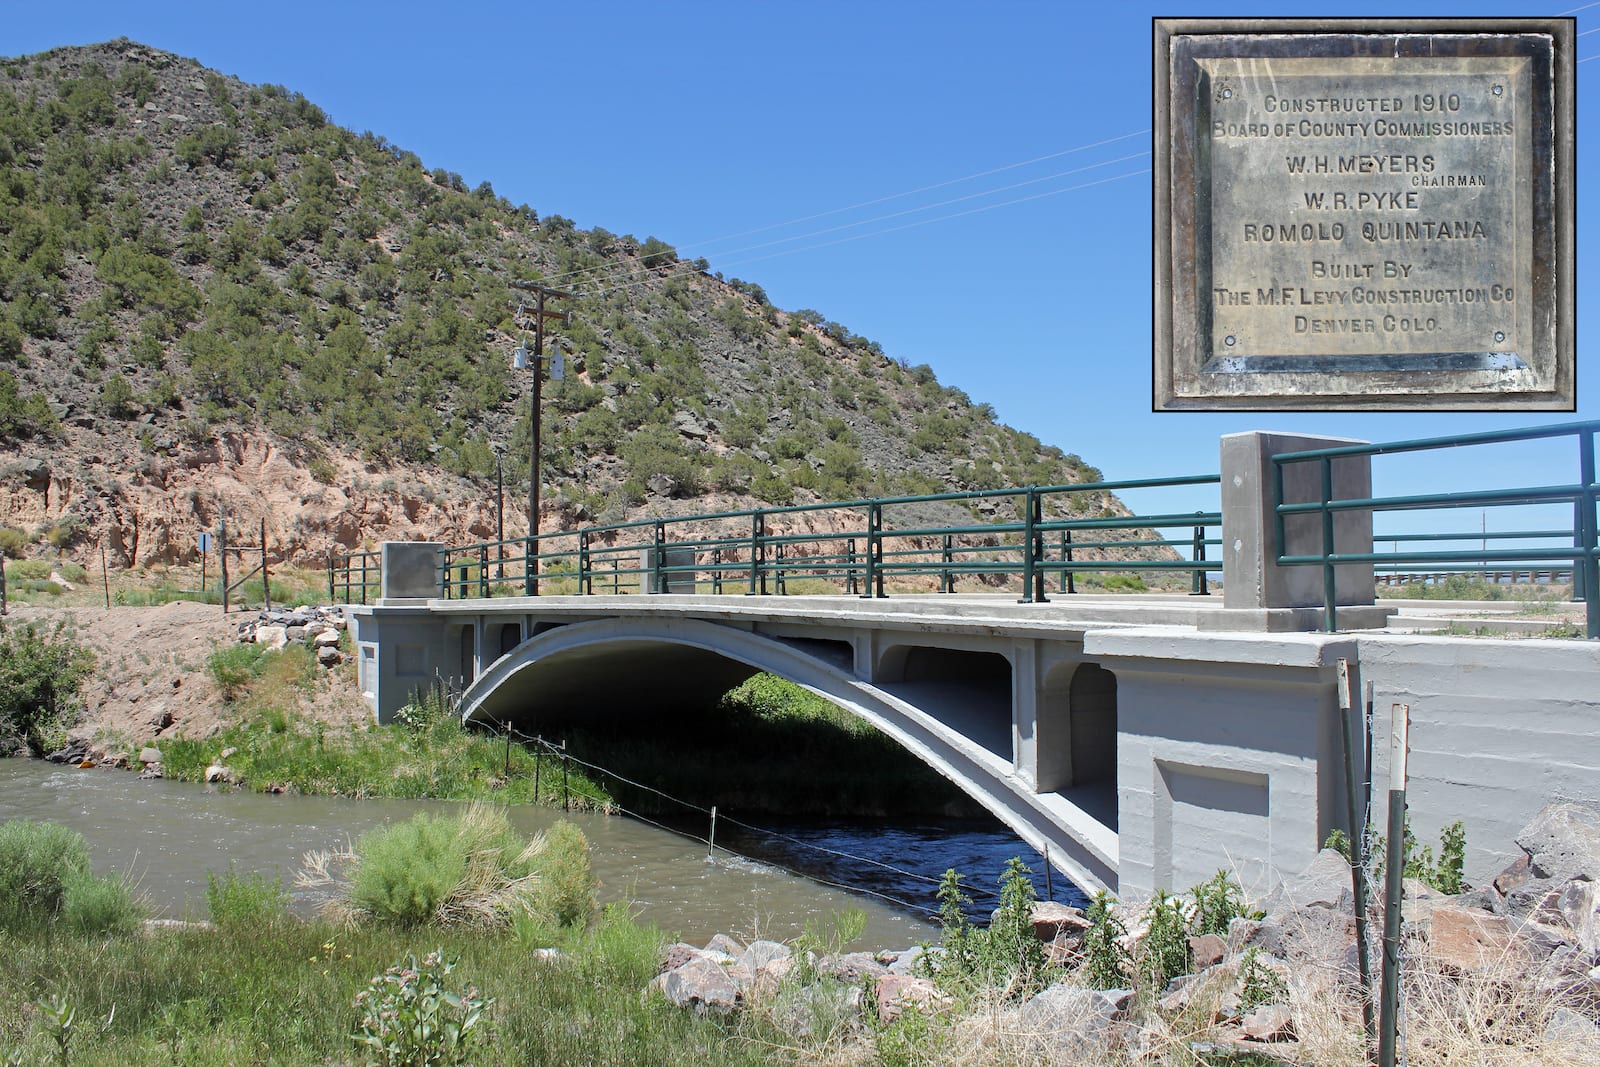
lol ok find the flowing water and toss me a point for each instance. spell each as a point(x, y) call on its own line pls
point(168, 835)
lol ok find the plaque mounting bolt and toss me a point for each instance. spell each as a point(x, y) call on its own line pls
point(1498, 89)
point(1229, 340)
point(1499, 335)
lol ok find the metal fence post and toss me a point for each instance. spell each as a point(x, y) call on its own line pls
point(851, 585)
point(1330, 592)
point(874, 571)
point(585, 576)
point(758, 553)
point(1069, 577)
point(1199, 554)
point(947, 581)
point(1032, 549)
point(1590, 562)
point(658, 578)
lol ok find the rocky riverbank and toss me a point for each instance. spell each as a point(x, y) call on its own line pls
point(1509, 970)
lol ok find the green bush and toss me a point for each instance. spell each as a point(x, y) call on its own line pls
point(29, 570)
point(245, 900)
point(407, 871)
point(567, 897)
point(24, 416)
point(40, 674)
point(99, 906)
point(37, 862)
point(233, 667)
point(45, 877)
point(472, 869)
point(13, 542)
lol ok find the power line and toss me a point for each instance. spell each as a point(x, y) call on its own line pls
point(907, 211)
point(894, 229)
point(694, 245)
point(927, 188)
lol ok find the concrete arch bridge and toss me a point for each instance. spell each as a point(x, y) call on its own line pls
point(1146, 740)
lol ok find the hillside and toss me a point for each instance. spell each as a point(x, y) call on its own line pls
point(212, 298)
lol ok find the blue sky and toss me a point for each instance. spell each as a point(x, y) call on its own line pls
point(826, 151)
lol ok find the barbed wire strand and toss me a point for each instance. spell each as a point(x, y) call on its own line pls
point(564, 754)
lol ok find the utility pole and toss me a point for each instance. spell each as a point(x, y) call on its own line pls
point(500, 510)
point(541, 294)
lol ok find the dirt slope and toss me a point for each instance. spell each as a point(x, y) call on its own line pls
point(151, 678)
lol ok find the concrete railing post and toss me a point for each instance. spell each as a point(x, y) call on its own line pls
point(410, 570)
point(1258, 593)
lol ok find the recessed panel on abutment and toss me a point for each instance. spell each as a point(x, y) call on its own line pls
point(1364, 215)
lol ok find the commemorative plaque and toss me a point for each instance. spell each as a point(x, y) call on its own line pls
point(1364, 214)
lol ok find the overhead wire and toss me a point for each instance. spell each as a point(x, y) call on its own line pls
point(912, 210)
point(639, 282)
point(697, 245)
point(892, 229)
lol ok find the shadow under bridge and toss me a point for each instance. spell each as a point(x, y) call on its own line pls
point(633, 667)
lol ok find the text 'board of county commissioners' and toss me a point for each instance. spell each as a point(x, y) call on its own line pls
point(1366, 206)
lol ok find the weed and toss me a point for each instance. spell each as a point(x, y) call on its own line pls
point(246, 899)
point(1258, 983)
point(1164, 952)
point(1006, 956)
point(1217, 902)
point(1105, 957)
point(234, 667)
point(411, 1018)
point(1445, 875)
point(59, 1014)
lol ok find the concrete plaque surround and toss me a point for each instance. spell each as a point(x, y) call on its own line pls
point(1363, 214)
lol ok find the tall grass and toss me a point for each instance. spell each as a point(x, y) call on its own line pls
point(277, 749)
point(470, 869)
point(46, 881)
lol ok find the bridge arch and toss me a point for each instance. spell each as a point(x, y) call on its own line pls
point(698, 659)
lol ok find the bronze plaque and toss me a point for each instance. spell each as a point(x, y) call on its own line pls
point(1363, 215)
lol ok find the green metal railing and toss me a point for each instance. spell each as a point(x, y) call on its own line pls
point(355, 577)
point(1577, 547)
point(854, 547)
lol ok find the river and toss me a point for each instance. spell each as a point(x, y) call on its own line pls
point(167, 835)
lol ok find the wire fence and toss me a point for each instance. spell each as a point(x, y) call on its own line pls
point(715, 817)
